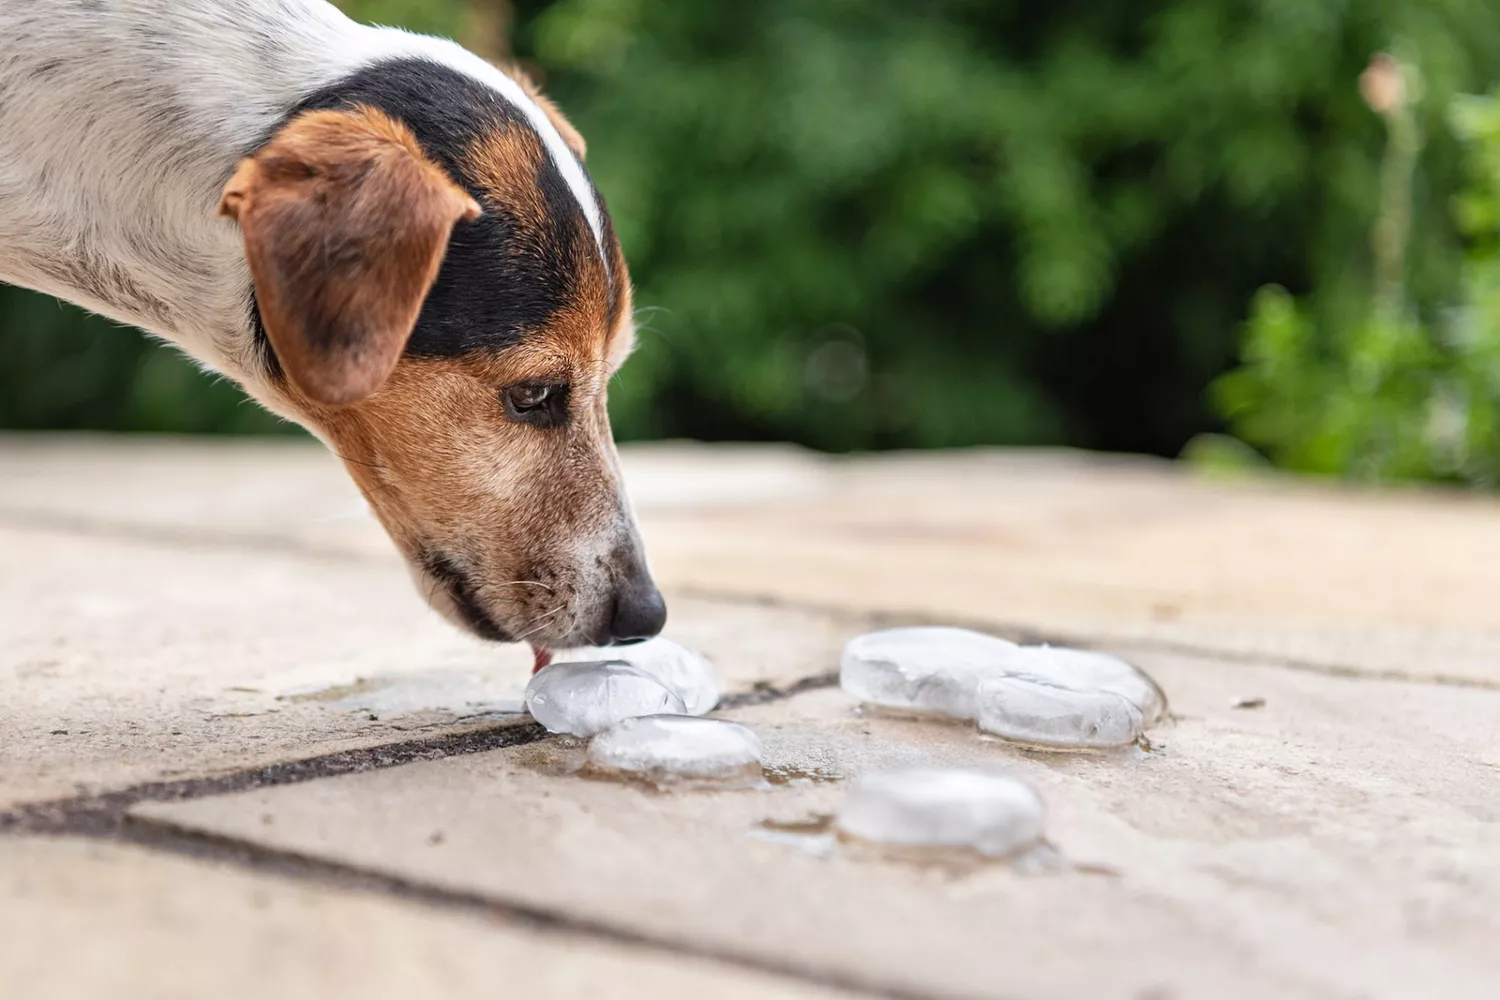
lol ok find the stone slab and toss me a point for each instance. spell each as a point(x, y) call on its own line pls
point(293, 493)
point(1338, 842)
point(80, 919)
point(1117, 550)
point(123, 660)
point(1083, 547)
point(241, 492)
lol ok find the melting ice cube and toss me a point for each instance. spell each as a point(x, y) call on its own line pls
point(929, 671)
point(585, 698)
point(674, 748)
point(1040, 695)
point(685, 672)
point(1068, 699)
point(990, 814)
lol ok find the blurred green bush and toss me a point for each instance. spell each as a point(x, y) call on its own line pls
point(1397, 388)
point(859, 224)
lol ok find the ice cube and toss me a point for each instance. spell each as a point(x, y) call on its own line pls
point(928, 670)
point(1068, 699)
point(585, 698)
point(685, 672)
point(1022, 711)
point(990, 814)
point(676, 748)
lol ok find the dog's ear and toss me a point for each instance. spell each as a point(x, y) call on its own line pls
point(345, 223)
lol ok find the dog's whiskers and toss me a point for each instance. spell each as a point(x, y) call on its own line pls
point(522, 583)
point(539, 623)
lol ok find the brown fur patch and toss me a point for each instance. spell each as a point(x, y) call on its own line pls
point(621, 340)
point(345, 223)
point(533, 517)
point(570, 135)
point(506, 163)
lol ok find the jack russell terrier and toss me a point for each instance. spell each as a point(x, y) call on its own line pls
point(380, 236)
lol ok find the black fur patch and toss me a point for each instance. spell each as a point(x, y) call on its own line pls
point(452, 579)
point(492, 288)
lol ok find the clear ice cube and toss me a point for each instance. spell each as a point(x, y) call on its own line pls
point(926, 670)
point(586, 698)
point(685, 672)
point(1068, 699)
point(677, 748)
point(993, 815)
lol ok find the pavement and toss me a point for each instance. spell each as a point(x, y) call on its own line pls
point(239, 759)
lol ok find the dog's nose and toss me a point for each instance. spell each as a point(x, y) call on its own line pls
point(639, 612)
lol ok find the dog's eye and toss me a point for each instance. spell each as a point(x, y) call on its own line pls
point(526, 397)
point(538, 405)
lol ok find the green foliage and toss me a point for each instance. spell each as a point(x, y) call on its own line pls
point(1403, 391)
point(1024, 222)
point(861, 224)
point(63, 370)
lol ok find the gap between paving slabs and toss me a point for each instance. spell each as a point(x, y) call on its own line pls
point(106, 816)
point(104, 812)
point(103, 815)
point(1031, 636)
point(1279, 852)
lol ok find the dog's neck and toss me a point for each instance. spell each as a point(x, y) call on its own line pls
point(121, 121)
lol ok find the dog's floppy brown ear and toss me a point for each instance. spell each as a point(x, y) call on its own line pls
point(345, 222)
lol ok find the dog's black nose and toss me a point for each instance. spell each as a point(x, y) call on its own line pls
point(639, 612)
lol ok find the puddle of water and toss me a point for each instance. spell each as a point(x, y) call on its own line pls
point(567, 757)
point(1036, 859)
point(812, 835)
point(816, 835)
point(668, 783)
point(337, 692)
point(470, 694)
point(560, 757)
point(790, 774)
point(807, 826)
point(1140, 749)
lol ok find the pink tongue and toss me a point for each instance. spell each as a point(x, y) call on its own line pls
point(542, 657)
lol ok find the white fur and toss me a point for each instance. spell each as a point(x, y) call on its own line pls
point(121, 121)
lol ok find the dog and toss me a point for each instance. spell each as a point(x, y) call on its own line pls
point(380, 236)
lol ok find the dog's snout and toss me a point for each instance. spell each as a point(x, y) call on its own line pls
point(639, 612)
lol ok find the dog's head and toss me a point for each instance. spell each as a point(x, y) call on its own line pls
point(444, 302)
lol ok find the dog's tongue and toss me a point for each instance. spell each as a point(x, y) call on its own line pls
point(541, 657)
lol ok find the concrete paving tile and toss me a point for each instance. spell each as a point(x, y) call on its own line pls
point(1123, 550)
point(124, 661)
point(266, 493)
point(1337, 842)
point(1091, 547)
point(280, 493)
point(80, 919)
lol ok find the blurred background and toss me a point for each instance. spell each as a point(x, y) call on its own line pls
point(1243, 231)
